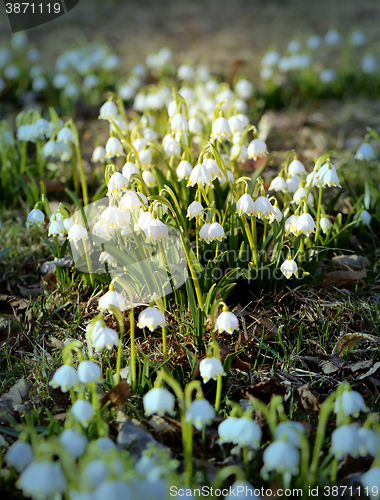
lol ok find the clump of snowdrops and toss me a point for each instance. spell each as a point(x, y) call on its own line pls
point(180, 162)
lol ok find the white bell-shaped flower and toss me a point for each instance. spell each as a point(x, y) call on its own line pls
point(257, 149)
point(158, 400)
point(108, 110)
point(130, 201)
point(226, 322)
point(19, 455)
point(243, 490)
point(66, 135)
point(236, 124)
point(117, 183)
point(213, 168)
point(68, 224)
point(109, 218)
point(282, 457)
point(371, 480)
point(200, 176)
point(228, 430)
point(104, 337)
point(77, 232)
point(296, 168)
point(105, 257)
point(245, 205)
point(292, 183)
point(95, 473)
point(276, 215)
point(99, 154)
point(248, 433)
point(300, 194)
point(56, 226)
point(216, 232)
point(113, 490)
point(330, 178)
point(194, 209)
point(35, 217)
point(88, 372)
point(151, 318)
point(290, 431)
point(173, 147)
point(139, 144)
point(305, 225)
point(210, 368)
point(195, 126)
point(105, 443)
point(200, 413)
point(363, 217)
point(239, 153)
point(345, 440)
point(288, 268)
point(184, 170)
point(244, 89)
point(114, 148)
point(263, 208)
point(82, 411)
point(145, 157)
point(350, 403)
point(112, 298)
point(221, 130)
point(129, 169)
point(149, 178)
point(325, 224)
point(179, 124)
point(156, 231)
point(185, 72)
point(291, 225)
point(42, 480)
point(65, 378)
point(74, 443)
point(143, 221)
point(365, 152)
point(369, 442)
point(278, 184)
point(203, 233)
point(101, 231)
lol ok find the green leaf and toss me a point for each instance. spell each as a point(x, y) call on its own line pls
point(4, 252)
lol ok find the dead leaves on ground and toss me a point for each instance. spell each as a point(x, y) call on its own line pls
point(350, 340)
point(15, 401)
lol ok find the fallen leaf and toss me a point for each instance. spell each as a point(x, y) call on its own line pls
point(350, 340)
point(360, 365)
point(168, 429)
point(243, 365)
point(135, 438)
point(13, 401)
point(117, 395)
point(18, 311)
point(353, 262)
point(375, 367)
point(307, 398)
point(342, 279)
point(265, 390)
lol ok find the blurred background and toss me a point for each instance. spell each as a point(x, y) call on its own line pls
point(219, 32)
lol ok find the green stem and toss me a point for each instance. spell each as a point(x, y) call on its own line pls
point(82, 175)
point(23, 157)
point(246, 461)
point(250, 239)
point(324, 414)
point(74, 173)
point(301, 250)
point(318, 214)
point(218, 392)
point(88, 261)
point(132, 335)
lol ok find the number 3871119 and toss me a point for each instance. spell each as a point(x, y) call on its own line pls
point(32, 8)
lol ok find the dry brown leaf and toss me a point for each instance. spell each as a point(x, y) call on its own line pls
point(265, 390)
point(375, 367)
point(360, 365)
point(117, 395)
point(350, 340)
point(307, 398)
point(342, 279)
point(14, 401)
point(61, 399)
point(243, 365)
point(353, 262)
